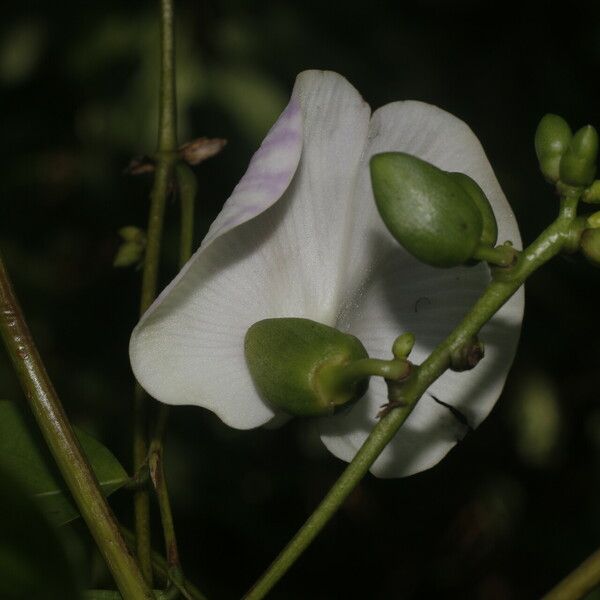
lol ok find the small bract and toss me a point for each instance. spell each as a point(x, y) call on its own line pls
point(300, 237)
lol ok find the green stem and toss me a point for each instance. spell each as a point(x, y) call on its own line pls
point(161, 567)
point(187, 188)
point(578, 583)
point(505, 283)
point(186, 184)
point(343, 376)
point(64, 446)
point(501, 256)
point(157, 473)
point(166, 157)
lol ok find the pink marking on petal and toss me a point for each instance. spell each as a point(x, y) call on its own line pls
point(268, 176)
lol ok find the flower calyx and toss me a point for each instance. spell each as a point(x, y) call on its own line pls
point(443, 219)
point(291, 362)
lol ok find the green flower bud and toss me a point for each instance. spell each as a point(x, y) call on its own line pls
point(128, 254)
point(403, 345)
point(590, 246)
point(552, 138)
point(131, 233)
point(592, 194)
point(489, 235)
point(578, 164)
point(593, 220)
point(425, 209)
point(289, 360)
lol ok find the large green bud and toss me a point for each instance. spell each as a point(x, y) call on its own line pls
point(552, 138)
point(289, 361)
point(426, 209)
point(578, 164)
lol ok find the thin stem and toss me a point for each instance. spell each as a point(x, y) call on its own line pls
point(186, 188)
point(578, 583)
point(161, 567)
point(166, 157)
point(64, 446)
point(505, 283)
point(343, 376)
point(167, 119)
point(186, 184)
point(157, 473)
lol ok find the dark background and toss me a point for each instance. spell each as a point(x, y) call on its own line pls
point(517, 504)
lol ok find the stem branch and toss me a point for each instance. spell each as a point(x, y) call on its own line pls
point(505, 283)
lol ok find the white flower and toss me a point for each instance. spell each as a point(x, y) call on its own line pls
point(300, 237)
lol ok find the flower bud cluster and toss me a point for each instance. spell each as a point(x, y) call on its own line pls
point(566, 158)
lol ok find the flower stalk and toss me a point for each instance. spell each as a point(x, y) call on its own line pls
point(166, 157)
point(64, 446)
point(505, 282)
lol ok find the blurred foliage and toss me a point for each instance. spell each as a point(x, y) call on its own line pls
point(25, 456)
point(34, 564)
point(517, 504)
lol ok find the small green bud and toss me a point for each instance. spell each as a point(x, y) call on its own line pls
point(578, 164)
point(593, 220)
point(552, 138)
point(131, 233)
point(131, 251)
point(467, 356)
point(403, 345)
point(288, 360)
point(590, 246)
point(592, 194)
point(128, 254)
point(425, 209)
point(489, 235)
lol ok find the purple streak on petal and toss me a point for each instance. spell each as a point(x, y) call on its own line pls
point(268, 176)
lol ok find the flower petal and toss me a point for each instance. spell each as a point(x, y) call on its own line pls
point(390, 292)
point(265, 256)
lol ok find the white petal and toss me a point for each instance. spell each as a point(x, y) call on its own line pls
point(188, 348)
point(390, 293)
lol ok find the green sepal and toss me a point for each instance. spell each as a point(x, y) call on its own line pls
point(590, 246)
point(578, 163)
point(286, 356)
point(489, 235)
point(552, 138)
point(425, 209)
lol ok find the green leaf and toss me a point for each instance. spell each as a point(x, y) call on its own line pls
point(33, 561)
point(23, 454)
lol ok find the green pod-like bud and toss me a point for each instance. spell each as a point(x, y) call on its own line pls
point(425, 209)
point(289, 360)
point(578, 164)
point(590, 246)
point(489, 234)
point(552, 138)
